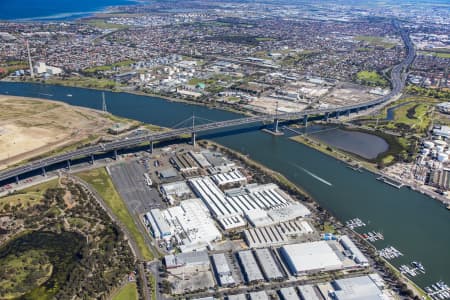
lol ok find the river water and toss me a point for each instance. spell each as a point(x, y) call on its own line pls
point(413, 223)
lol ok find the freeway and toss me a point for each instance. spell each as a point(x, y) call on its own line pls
point(398, 78)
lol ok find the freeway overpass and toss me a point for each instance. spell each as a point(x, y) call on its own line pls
point(398, 78)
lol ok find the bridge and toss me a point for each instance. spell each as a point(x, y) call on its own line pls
point(398, 78)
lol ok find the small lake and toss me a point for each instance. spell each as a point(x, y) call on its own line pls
point(365, 145)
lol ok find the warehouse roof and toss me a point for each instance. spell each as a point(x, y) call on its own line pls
point(357, 288)
point(310, 257)
point(289, 293)
point(188, 258)
point(268, 264)
point(250, 266)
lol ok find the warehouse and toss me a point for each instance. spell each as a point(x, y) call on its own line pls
point(309, 292)
point(184, 162)
point(278, 234)
point(159, 226)
point(200, 159)
point(310, 257)
point(261, 295)
point(176, 191)
point(269, 266)
point(357, 255)
point(229, 178)
point(357, 288)
point(249, 267)
point(288, 293)
point(222, 270)
point(197, 258)
point(237, 297)
point(193, 226)
point(232, 222)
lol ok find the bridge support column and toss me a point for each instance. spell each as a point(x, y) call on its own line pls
point(151, 146)
point(68, 164)
point(348, 113)
point(193, 137)
point(327, 115)
point(275, 125)
point(43, 172)
point(305, 120)
point(337, 114)
point(17, 179)
point(92, 159)
point(115, 154)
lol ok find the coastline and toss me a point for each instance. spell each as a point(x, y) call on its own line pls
point(344, 157)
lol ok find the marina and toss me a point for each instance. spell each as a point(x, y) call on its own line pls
point(394, 212)
point(390, 182)
point(390, 253)
point(439, 290)
point(416, 268)
point(372, 236)
point(355, 223)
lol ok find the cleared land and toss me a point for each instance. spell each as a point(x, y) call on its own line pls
point(371, 78)
point(31, 127)
point(102, 182)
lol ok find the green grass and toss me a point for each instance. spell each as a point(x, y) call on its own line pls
point(437, 54)
point(102, 182)
point(28, 197)
point(375, 41)
point(128, 292)
point(124, 63)
point(101, 23)
point(371, 78)
point(87, 82)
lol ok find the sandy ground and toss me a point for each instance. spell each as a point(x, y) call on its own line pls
point(31, 127)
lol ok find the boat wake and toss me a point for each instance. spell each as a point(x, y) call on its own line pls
point(314, 175)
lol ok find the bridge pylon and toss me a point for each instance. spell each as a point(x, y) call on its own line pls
point(305, 120)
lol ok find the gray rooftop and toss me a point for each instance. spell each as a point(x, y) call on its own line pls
point(250, 266)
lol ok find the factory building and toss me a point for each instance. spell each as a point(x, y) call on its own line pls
point(197, 258)
point(251, 201)
point(308, 292)
point(352, 251)
point(311, 257)
point(269, 266)
point(277, 234)
point(249, 267)
point(193, 226)
point(288, 293)
point(159, 226)
point(178, 190)
point(261, 295)
point(222, 270)
point(237, 297)
point(357, 288)
point(185, 162)
point(229, 179)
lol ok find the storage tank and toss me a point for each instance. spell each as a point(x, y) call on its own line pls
point(442, 157)
point(428, 144)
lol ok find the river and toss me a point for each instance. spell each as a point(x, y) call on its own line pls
point(413, 223)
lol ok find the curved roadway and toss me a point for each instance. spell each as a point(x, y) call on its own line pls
point(398, 78)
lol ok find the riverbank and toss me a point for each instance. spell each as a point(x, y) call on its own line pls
point(325, 218)
point(110, 86)
point(357, 163)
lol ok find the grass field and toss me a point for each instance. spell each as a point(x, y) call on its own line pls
point(102, 182)
point(28, 197)
point(88, 82)
point(437, 54)
point(128, 292)
point(375, 41)
point(371, 78)
point(101, 23)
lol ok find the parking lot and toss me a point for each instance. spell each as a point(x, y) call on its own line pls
point(129, 180)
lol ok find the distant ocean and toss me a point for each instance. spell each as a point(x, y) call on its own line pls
point(39, 10)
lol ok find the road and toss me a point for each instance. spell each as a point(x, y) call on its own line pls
point(134, 248)
point(398, 78)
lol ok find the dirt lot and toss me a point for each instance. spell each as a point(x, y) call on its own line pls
point(31, 127)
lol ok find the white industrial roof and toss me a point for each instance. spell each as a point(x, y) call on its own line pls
point(261, 295)
point(250, 266)
point(357, 288)
point(310, 257)
point(289, 293)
